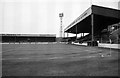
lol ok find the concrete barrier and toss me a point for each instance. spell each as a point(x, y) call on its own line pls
point(106, 45)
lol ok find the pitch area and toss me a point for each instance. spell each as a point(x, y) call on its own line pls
point(58, 60)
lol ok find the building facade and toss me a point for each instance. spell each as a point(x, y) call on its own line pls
point(28, 38)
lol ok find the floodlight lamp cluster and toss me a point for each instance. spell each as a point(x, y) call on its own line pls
point(60, 14)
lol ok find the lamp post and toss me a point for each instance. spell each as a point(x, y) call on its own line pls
point(61, 16)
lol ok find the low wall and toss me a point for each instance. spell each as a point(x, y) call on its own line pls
point(105, 45)
point(115, 46)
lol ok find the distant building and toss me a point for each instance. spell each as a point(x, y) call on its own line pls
point(28, 38)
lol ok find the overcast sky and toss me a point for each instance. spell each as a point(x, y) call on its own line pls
point(42, 16)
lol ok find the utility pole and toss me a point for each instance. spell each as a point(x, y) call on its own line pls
point(61, 32)
point(119, 5)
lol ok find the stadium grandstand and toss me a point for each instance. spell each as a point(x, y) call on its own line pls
point(96, 20)
point(23, 38)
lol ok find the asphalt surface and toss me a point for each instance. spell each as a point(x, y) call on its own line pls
point(58, 60)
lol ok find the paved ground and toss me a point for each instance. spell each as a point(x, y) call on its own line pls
point(57, 60)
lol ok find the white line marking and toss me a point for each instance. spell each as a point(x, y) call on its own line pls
point(52, 58)
point(14, 58)
point(55, 58)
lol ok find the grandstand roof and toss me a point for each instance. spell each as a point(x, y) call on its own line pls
point(102, 18)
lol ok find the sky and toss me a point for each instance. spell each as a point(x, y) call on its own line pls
point(42, 16)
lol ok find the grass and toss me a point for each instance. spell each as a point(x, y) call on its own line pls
point(57, 60)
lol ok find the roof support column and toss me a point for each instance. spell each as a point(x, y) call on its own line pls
point(76, 32)
point(81, 35)
point(64, 34)
point(67, 35)
point(92, 26)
